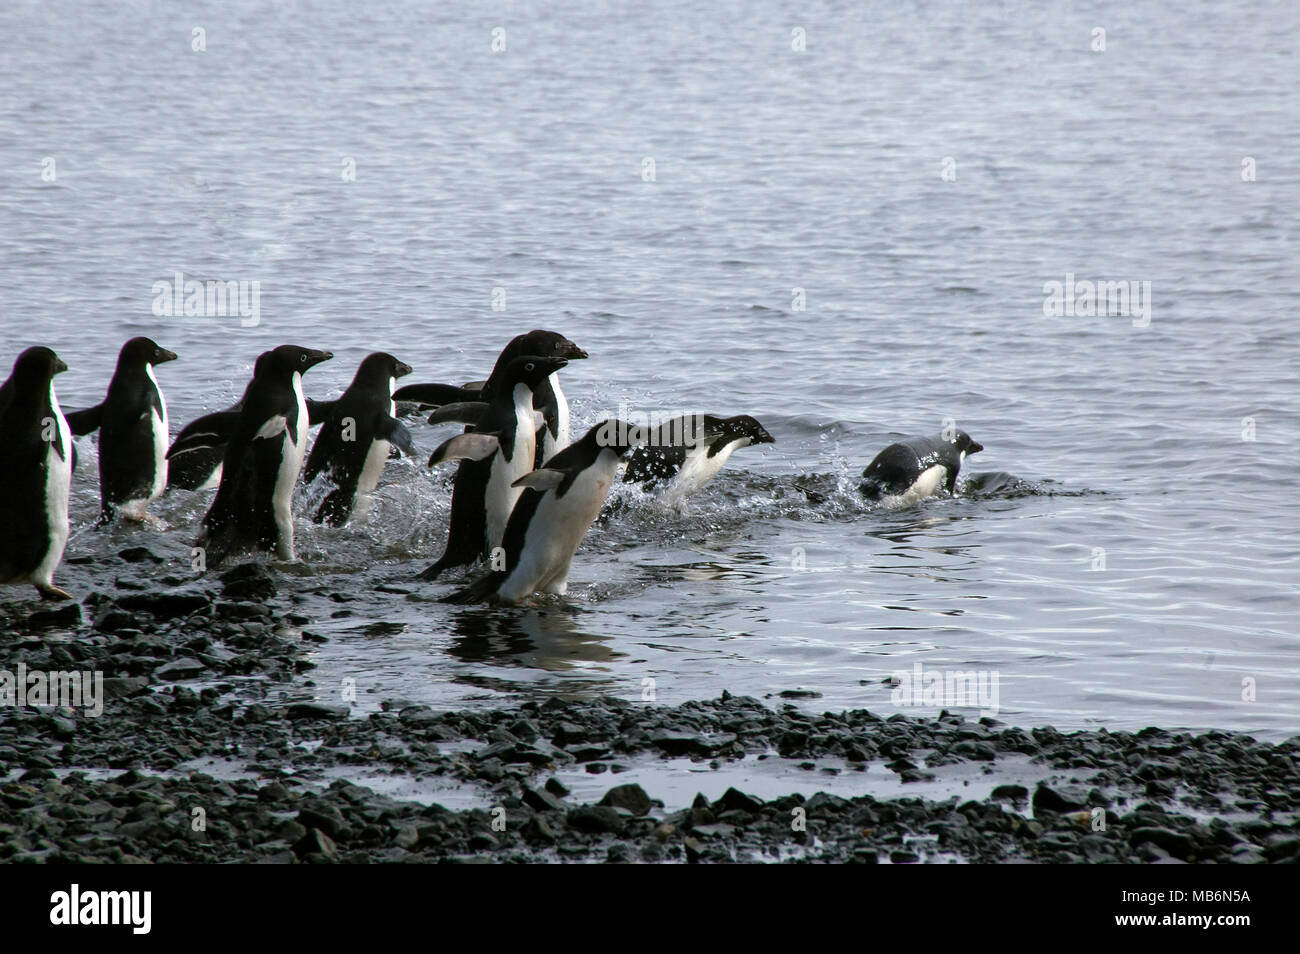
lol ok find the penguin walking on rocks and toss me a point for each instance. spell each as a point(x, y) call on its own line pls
point(132, 425)
point(916, 467)
point(35, 474)
point(358, 431)
point(495, 452)
point(253, 508)
point(556, 509)
point(682, 455)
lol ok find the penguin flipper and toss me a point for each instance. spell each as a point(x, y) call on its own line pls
point(434, 395)
point(395, 432)
point(475, 446)
point(212, 431)
point(318, 411)
point(85, 421)
point(462, 412)
point(543, 479)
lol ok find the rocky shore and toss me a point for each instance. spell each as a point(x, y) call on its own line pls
point(251, 768)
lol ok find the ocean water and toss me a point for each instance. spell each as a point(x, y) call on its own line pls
point(853, 241)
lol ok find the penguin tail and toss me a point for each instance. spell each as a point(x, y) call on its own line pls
point(480, 591)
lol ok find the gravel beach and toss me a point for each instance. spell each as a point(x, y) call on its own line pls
point(213, 747)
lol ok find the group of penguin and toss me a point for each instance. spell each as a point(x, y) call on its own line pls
point(524, 493)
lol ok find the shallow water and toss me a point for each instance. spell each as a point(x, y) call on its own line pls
point(774, 171)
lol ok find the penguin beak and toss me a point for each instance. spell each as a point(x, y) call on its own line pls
point(316, 357)
point(402, 369)
point(59, 366)
point(164, 355)
point(557, 363)
point(570, 350)
point(975, 448)
point(764, 437)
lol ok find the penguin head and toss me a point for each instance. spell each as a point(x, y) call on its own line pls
point(36, 366)
point(532, 370)
point(742, 426)
point(379, 368)
point(549, 344)
point(287, 359)
point(138, 352)
point(966, 444)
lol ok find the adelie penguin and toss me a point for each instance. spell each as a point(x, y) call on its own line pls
point(253, 509)
point(915, 468)
point(466, 403)
point(682, 455)
point(195, 457)
point(132, 425)
point(357, 434)
point(35, 474)
point(495, 452)
point(556, 509)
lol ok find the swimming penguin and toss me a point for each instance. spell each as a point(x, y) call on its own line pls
point(132, 425)
point(553, 435)
point(682, 455)
point(553, 514)
point(915, 468)
point(253, 508)
point(495, 452)
point(35, 474)
point(357, 433)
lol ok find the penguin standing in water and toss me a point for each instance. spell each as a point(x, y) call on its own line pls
point(35, 474)
point(194, 459)
point(552, 433)
point(253, 509)
point(558, 505)
point(357, 433)
point(132, 425)
point(682, 455)
point(916, 467)
point(497, 450)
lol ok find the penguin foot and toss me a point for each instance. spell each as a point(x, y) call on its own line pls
point(52, 592)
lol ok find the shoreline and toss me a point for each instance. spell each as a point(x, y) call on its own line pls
point(562, 780)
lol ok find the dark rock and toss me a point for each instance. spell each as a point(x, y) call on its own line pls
point(179, 669)
point(600, 819)
point(164, 605)
point(631, 797)
point(315, 710)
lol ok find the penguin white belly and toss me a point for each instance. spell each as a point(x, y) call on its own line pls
point(698, 469)
point(926, 484)
point(292, 452)
point(213, 481)
point(58, 481)
point(161, 440)
point(563, 437)
point(373, 468)
point(500, 497)
point(555, 532)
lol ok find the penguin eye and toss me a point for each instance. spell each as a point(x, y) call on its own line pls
point(302, 358)
point(530, 366)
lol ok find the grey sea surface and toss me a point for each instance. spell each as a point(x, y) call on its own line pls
point(852, 242)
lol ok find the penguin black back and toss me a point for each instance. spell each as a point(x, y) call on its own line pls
point(35, 473)
point(133, 437)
